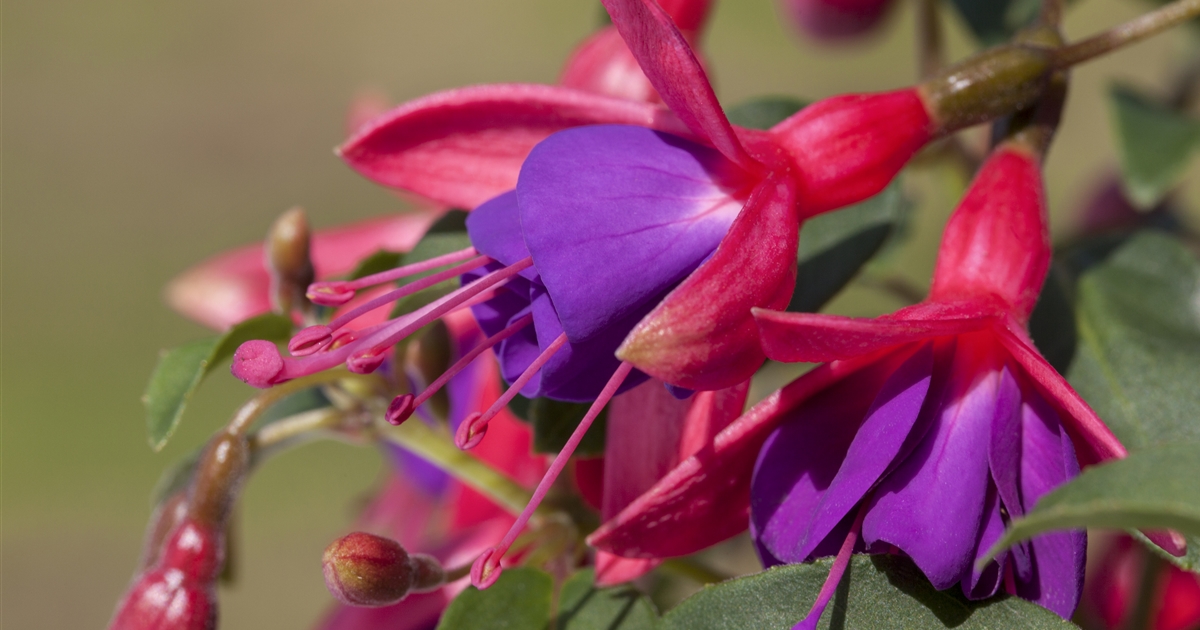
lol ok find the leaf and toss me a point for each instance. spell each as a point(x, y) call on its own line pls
point(877, 592)
point(835, 245)
point(582, 606)
point(1154, 488)
point(1052, 324)
point(519, 600)
point(448, 234)
point(996, 21)
point(1189, 561)
point(1154, 144)
point(180, 370)
point(553, 422)
point(765, 112)
point(1138, 361)
point(381, 260)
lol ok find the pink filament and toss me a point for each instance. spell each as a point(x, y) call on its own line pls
point(466, 360)
point(394, 274)
point(835, 573)
point(407, 290)
point(486, 569)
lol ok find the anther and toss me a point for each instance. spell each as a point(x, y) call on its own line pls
point(486, 569)
point(310, 340)
point(399, 409)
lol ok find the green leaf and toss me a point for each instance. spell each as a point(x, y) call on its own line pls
point(448, 234)
point(1154, 144)
point(180, 370)
point(765, 112)
point(996, 21)
point(1151, 489)
point(381, 260)
point(878, 592)
point(835, 245)
point(519, 600)
point(582, 606)
point(1189, 561)
point(1138, 360)
point(553, 422)
point(1052, 325)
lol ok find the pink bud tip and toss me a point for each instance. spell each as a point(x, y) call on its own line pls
point(470, 433)
point(362, 569)
point(486, 569)
point(400, 409)
point(366, 362)
point(163, 599)
point(1170, 540)
point(330, 293)
point(258, 363)
point(310, 340)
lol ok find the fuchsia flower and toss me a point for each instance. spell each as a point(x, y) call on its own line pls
point(866, 444)
point(1116, 581)
point(835, 19)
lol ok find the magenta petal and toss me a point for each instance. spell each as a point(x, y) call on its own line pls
point(817, 338)
point(495, 231)
point(983, 583)
point(1004, 453)
point(614, 216)
point(931, 506)
point(669, 63)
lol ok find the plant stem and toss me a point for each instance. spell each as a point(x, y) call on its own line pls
point(1051, 14)
point(437, 448)
point(1132, 31)
point(308, 425)
point(255, 407)
point(929, 39)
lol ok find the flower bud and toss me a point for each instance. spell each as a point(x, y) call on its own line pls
point(218, 478)
point(166, 517)
point(835, 19)
point(362, 569)
point(164, 599)
point(287, 259)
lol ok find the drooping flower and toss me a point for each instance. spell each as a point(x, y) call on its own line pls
point(924, 430)
point(835, 19)
point(1127, 571)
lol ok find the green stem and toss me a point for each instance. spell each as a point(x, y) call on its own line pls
point(254, 408)
point(929, 39)
point(305, 426)
point(437, 448)
point(1132, 31)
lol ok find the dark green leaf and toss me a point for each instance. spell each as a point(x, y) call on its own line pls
point(553, 422)
point(381, 260)
point(1154, 144)
point(765, 112)
point(834, 246)
point(180, 370)
point(519, 600)
point(1138, 361)
point(1154, 488)
point(995, 21)
point(877, 592)
point(448, 234)
point(1190, 561)
point(582, 606)
point(1052, 325)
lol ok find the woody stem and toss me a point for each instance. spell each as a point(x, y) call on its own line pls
point(1132, 31)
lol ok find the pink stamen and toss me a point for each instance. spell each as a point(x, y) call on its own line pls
point(835, 573)
point(470, 432)
point(399, 411)
point(486, 568)
point(337, 293)
point(402, 327)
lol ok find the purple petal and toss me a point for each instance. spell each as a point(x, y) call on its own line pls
point(495, 231)
point(982, 584)
point(931, 505)
point(616, 215)
point(1004, 454)
point(797, 499)
point(1047, 460)
point(430, 479)
point(509, 304)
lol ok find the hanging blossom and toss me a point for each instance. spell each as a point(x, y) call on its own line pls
point(835, 19)
point(673, 237)
point(924, 431)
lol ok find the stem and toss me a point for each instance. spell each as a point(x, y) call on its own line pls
point(1051, 14)
point(1132, 31)
point(255, 407)
point(440, 450)
point(308, 425)
point(929, 39)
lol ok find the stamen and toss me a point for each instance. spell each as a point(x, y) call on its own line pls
point(486, 568)
point(402, 406)
point(401, 327)
point(835, 573)
point(470, 432)
point(337, 293)
point(314, 338)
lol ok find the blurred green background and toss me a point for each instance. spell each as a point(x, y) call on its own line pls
point(140, 137)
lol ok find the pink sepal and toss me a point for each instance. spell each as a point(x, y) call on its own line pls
point(602, 64)
point(673, 69)
point(1093, 440)
point(815, 338)
point(612, 570)
point(702, 335)
point(462, 147)
point(706, 498)
point(233, 286)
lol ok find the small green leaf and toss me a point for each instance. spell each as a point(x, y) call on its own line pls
point(835, 245)
point(448, 234)
point(1154, 488)
point(582, 606)
point(878, 592)
point(553, 422)
point(1138, 360)
point(519, 600)
point(996, 21)
point(1052, 325)
point(381, 260)
point(180, 370)
point(1154, 144)
point(765, 112)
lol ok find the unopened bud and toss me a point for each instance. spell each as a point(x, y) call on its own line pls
point(362, 569)
point(164, 599)
point(167, 516)
point(218, 478)
point(288, 259)
point(428, 573)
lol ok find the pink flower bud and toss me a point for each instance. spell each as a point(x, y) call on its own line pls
point(362, 569)
point(165, 599)
point(835, 19)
